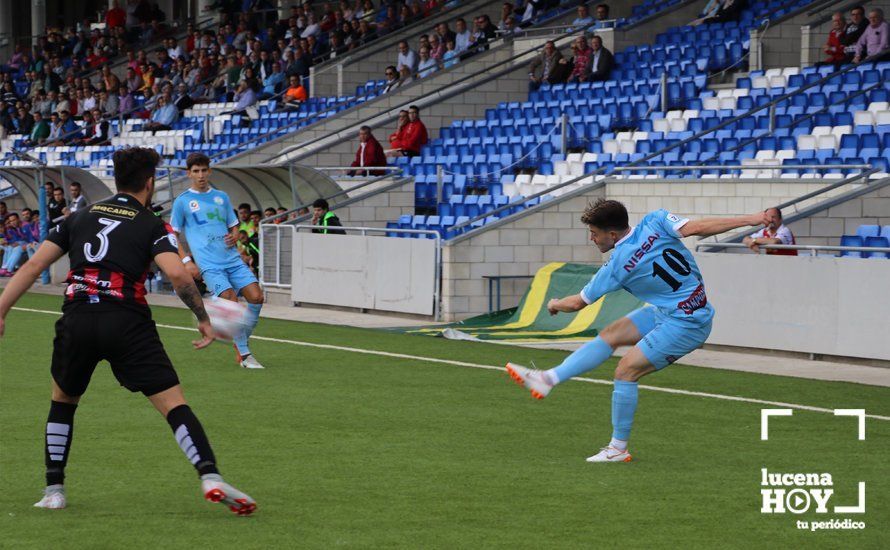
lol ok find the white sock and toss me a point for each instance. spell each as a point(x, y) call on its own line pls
point(618, 444)
point(550, 377)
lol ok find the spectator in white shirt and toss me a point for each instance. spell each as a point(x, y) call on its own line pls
point(407, 58)
point(774, 233)
point(78, 201)
point(89, 101)
point(462, 36)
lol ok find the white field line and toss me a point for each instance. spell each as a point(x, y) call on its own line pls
point(493, 367)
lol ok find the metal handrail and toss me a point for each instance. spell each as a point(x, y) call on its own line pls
point(728, 167)
point(810, 247)
point(827, 188)
point(824, 18)
point(426, 99)
point(340, 193)
point(601, 171)
point(820, 5)
point(386, 168)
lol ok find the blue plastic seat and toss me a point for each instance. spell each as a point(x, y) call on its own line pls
point(851, 240)
point(866, 231)
point(877, 242)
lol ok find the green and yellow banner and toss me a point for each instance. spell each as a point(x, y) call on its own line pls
point(530, 321)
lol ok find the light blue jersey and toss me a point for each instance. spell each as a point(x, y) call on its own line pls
point(652, 263)
point(206, 218)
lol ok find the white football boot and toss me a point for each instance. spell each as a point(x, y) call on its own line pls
point(250, 362)
point(530, 378)
point(610, 454)
point(217, 490)
point(53, 498)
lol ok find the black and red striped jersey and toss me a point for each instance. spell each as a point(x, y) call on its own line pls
point(111, 245)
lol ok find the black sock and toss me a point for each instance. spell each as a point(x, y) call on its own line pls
point(59, 432)
point(192, 440)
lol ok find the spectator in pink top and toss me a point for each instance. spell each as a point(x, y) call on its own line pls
point(875, 39)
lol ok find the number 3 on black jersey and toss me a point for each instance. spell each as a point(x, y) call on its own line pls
point(110, 225)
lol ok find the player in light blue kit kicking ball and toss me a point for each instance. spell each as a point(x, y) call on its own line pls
point(208, 220)
point(650, 262)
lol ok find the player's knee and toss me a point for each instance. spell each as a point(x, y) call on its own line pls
point(617, 333)
point(61, 397)
point(228, 295)
point(627, 372)
point(610, 335)
point(255, 297)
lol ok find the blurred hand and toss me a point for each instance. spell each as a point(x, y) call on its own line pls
point(551, 306)
point(193, 270)
point(230, 240)
point(207, 335)
point(759, 219)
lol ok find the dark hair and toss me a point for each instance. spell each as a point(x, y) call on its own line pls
point(244, 205)
point(605, 214)
point(57, 188)
point(133, 166)
point(197, 159)
point(604, 6)
point(75, 184)
point(776, 208)
point(365, 129)
point(256, 212)
point(321, 203)
point(857, 7)
point(415, 107)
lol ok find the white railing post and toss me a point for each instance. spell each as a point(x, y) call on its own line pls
point(339, 79)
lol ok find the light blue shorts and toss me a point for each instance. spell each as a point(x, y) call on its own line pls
point(666, 339)
point(219, 280)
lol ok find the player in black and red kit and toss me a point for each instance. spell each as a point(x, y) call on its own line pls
point(110, 245)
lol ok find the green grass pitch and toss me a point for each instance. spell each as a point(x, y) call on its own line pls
point(343, 449)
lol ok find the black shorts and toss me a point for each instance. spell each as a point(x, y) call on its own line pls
point(127, 340)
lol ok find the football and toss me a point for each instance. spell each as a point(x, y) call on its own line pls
point(228, 318)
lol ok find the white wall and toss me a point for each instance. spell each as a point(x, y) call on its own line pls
point(370, 272)
point(822, 305)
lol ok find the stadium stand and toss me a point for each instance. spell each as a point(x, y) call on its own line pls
point(514, 150)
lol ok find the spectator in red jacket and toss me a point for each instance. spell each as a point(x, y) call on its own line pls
point(834, 47)
point(415, 134)
point(370, 153)
point(115, 17)
point(397, 138)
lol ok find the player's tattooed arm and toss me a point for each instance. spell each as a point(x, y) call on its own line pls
point(182, 282)
point(184, 249)
point(190, 296)
point(186, 252)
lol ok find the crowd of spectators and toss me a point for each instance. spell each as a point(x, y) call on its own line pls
point(443, 47)
point(853, 41)
point(590, 62)
point(251, 55)
point(64, 89)
point(20, 231)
